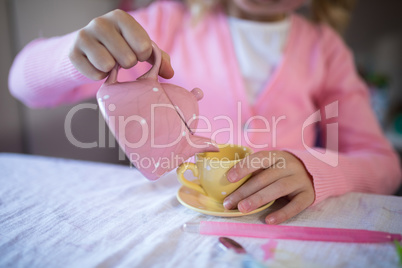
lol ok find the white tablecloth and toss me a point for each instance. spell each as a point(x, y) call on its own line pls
point(67, 213)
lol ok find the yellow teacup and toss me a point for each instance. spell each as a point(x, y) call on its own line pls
point(211, 168)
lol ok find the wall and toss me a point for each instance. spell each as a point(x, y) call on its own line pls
point(42, 131)
point(375, 35)
point(10, 123)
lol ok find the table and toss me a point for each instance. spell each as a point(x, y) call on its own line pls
point(67, 213)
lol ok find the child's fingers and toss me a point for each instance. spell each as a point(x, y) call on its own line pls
point(99, 57)
point(82, 64)
point(113, 37)
point(166, 70)
point(128, 42)
point(250, 164)
point(139, 41)
point(120, 50)
point(275, 190)
point(297, 204)
point(255, 184)
point(137, 38)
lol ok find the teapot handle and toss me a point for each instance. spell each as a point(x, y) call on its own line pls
point(152, 73)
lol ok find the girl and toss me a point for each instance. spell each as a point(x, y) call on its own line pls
point(268, 75)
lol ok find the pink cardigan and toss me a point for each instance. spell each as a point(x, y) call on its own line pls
point(316, 80)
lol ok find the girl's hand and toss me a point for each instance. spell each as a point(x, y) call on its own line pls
point(115, 37)
point(275, 174)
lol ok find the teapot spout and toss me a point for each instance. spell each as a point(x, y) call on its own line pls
point(199, 144)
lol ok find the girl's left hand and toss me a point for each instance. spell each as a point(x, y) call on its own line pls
point(275, 174)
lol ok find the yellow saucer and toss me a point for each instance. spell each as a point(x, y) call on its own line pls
point(206, 205)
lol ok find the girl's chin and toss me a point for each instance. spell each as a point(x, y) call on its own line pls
point(269, 6)
point(266, 1)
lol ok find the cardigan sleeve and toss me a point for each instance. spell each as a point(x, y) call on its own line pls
point(42, 74)
point(357, 157)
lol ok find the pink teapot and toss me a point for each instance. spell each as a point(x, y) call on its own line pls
point(153, 122)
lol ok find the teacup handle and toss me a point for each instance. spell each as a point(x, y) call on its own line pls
point(152, 73)
point(192, 185)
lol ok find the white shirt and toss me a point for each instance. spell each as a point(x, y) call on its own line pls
point(259, 49)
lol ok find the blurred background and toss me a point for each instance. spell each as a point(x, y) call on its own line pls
point(374, 34)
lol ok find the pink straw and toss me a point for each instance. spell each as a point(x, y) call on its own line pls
point(290, 232)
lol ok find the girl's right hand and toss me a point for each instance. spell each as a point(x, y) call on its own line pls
point(115, 37)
